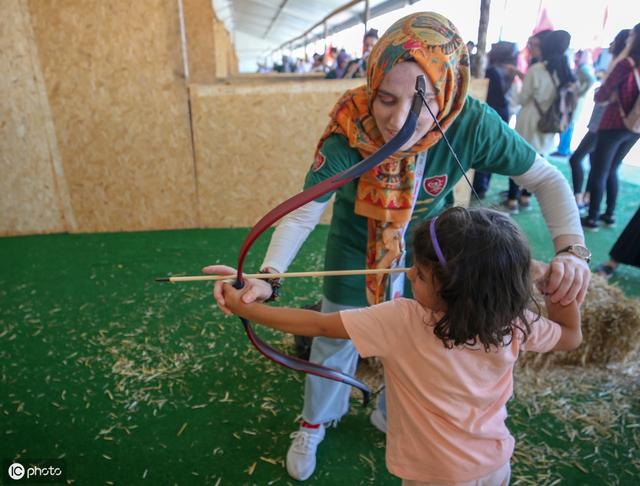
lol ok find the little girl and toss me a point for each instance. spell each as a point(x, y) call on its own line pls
point(448, 353)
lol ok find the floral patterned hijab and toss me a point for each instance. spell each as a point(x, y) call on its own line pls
point(385, 194)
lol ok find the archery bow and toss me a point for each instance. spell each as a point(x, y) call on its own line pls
point(303, 198)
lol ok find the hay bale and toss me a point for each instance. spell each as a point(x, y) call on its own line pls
point(610, 330)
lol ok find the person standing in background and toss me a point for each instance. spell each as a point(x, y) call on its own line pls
point(626, 249)
point(500, 73)
point(615, 139)
point(585, 77)
point(588, 142)
point(341, 66)
point(538, 92)
point(516, 197)
point(358, 67)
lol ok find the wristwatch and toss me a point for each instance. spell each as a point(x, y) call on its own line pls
point(578, 250)
point(275, 283)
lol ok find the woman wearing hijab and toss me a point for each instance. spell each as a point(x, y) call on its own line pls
point(539, 89)
point(371, 214)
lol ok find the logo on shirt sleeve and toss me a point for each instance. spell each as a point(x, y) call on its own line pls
point(318, 161)
point(434, 185)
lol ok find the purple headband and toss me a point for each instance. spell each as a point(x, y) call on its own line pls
point(434, 242)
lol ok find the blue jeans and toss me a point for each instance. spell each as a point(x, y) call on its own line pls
point(564, 147)
point(328, 400)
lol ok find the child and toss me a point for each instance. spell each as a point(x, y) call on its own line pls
point(449, 352)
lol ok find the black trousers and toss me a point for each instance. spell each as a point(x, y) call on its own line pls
point(586, 146)
point(515, 192)
point(611, 148)
point(481, 182)
point(626, 249)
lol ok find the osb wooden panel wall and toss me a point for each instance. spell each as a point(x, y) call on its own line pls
point(221, 54)
point(478, 88)
point(233, 60)
point(29, 199)
point(462, 190)
point(199, 19)
point(254, 144)
point(113, 72)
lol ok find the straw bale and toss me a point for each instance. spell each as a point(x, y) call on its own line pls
point(610, 329)
point(30, 201)
point(114, 78)
point(199, 19)
point(254, 144)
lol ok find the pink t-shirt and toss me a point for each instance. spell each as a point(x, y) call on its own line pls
point(446, 407)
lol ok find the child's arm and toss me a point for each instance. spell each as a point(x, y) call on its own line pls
point(295, 321)
point(568, 317)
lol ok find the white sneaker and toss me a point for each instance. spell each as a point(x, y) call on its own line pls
point(301, 457)
point(378, 420)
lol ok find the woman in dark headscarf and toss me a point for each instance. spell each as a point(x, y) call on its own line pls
point(539, 88)
point(554, 47)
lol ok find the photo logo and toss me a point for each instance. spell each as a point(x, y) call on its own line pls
point(52, 471)
point(16, 471)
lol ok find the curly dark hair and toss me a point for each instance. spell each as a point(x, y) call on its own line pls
point(486, 283)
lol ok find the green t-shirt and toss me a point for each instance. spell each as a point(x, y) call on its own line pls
point(479, 137)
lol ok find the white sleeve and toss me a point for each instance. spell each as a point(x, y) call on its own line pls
point(291, 232)
point(554, 196)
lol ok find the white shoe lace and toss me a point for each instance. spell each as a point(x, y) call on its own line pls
point(305, 442)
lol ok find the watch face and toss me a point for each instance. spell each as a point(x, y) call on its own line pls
point(581, 251)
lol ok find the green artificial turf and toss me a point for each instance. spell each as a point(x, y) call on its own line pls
point(137, 382)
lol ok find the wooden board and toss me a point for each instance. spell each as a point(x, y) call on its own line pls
point(462, 191)
point(114, 79)
point(254, 144)
point(30, 201)
point(199, 20)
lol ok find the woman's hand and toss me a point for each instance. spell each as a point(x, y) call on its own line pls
point(253, 290)
point(566, 279)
